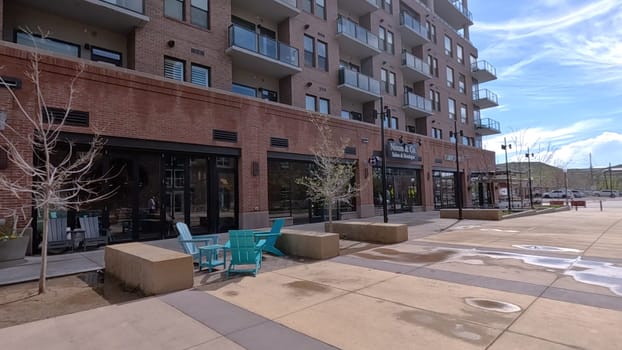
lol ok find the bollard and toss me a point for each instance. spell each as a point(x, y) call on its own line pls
point(601, 205)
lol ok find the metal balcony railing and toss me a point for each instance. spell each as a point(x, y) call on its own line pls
point(133, 5)
point(353, 30)
point(419, 102)
point(415, 63)
point(263, 45)
point(410, 22)
point(359, 80)
point(463, 9)
point(488, 123)
point(485, 66)
point(485, 94)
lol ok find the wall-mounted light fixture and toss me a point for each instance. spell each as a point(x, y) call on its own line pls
point(308, 84)
point(170, 43)
point(306, 26)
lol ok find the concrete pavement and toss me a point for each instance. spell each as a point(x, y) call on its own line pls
point(542, 282)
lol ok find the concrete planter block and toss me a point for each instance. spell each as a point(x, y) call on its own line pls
point(14, 249)
point(374, 232)
point(309, 244)
point(152, 269)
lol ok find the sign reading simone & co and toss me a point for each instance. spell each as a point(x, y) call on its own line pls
point(406, 151)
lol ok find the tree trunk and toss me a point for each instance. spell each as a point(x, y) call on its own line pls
point(44, 249)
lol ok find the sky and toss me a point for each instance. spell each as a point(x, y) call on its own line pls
point(559, 78)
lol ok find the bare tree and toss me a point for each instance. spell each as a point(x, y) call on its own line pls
point(330, 180)
point(58, 181)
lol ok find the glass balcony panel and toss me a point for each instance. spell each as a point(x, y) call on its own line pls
point(266, 46)
point(353, 30)
point(413, 24)
point(133, 5)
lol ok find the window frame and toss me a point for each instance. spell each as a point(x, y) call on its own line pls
point(101, 58)
point(206, 25)
point(30, 43)
point(317, 7)
point(448, 46)
point(464, 114)
point(451, 105)
point(176, 60)
point(183, 7)
point(309, 54)
point(208, 81)
point(248, 87)
point(309, 98)
point(460, 53)
point(322, 100)
point(451, 83)
point(322, 61)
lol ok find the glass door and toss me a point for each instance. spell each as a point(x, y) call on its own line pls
point(199, 193)
point(227, 193)
point(174, 183)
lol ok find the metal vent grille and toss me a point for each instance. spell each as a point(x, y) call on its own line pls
point(279, 142)
point(74, 118)
point(227, 136)
point(350, 150)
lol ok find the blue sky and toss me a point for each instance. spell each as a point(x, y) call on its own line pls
point(559, 69)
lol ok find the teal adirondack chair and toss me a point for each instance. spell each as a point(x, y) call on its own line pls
point(93, 235)
point(244, 251)
point(191, 243)
point(271, 237)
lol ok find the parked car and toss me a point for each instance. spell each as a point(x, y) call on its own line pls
point(606, 193)
point(577, 194)
point(555, 194)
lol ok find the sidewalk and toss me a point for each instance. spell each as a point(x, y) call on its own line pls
point(543, 282)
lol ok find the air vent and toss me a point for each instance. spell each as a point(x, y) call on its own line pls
point(350, 150)
point(74, 118)
point(227, 136)
point(279, 142)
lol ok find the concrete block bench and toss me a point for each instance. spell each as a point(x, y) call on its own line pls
point(153, 270)
point(308, 244)
point(473, 214)
point(369, 231)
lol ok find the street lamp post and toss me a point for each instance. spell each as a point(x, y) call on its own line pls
point(529, 155)
point(458, 180)
point(384, 113)
point(505, 147)
point(610, 181)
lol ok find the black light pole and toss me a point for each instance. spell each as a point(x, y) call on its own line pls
point(384, 112)
point(458, 180)
point(505, 147)
point(529, 155)
point(610, 181)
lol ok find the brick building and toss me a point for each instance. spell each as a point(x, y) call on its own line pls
point(205, 104)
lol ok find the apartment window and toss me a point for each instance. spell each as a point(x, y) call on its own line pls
point(351, 115)
point(384, 79)
point(387, 5)
point(174, 68)
point(307, 6)
point(460, 54)
point(324, 106)
point(450, 77)
point(476, 115)
point(103, 55)
point(472, 59)
point(461, 83)
point(244, 90)
point(452, 137)
point(345, 114)
point(309, 51)
point(320, 8)
point(451, 108)
point(392, 89)
point(437, 133)
point(269, 95)
point(394, 124)
point(174, 9)
point(463, 114)
point(310, 103)
point(433, 63)
point(48, 44)
point(382, 38)
point(448, 47)
point(199, 14)
point(431, 31)
point(390, 46)
point(435, 97)
point(322, 55)
point(199, 75)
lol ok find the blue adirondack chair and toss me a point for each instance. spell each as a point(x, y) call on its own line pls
point(271, 236)
point(93, 234)
point(192, 246)
point(244, 251)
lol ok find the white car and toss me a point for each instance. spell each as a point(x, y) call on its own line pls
point(606, 193)
point(555, 194)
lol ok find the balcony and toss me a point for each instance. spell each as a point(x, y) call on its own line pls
point(485, 98)
point(356, 41)
point(115, 15)
point(273, 10)
point(358, 87)
point(487, 126)
point(259, 53)
point(483, 71)
point(417, 106)
point(413, 32)
point(359, 8)
point(414, 69)
point(454, 13)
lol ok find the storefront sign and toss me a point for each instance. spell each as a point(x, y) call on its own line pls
point(407, 151)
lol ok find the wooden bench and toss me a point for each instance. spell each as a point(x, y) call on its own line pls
point(369, 231)
point(557, 203)
point(308, 244)
point(472, 214)
point(576, 203)
point(152, 269)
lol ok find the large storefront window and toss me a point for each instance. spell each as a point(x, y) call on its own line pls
point(482, 189)
point(444, 189)
point(403, 189)
point(286, 198)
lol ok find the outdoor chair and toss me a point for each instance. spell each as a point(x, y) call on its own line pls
point(271, 236)
point(201, 246)
point(57, 235)
point(93, 234)
point(244, 251)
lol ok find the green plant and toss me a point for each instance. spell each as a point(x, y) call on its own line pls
point(8, 227)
